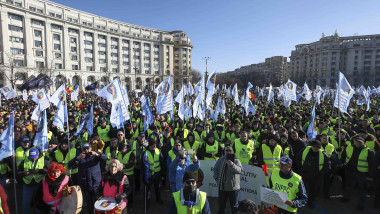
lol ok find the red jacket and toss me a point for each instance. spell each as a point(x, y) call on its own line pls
point(4, 197)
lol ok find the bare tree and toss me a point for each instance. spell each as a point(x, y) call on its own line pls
point(14, 70)
point(195, 75)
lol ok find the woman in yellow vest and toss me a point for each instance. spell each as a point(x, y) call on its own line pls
point(283, 179)
point(190, 199)
point(127, 158)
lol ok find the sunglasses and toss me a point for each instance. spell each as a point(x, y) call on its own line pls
point(190, 182)
point(120, 135)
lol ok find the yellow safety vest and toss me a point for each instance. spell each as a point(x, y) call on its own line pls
point(217, 137)
point(329, 149)
point(321, 157)
point(3, 168)
point(197, 208)
point(185, 132)
point(362, 160)
point(271, 159)
point(244, 152)
point(214, 149)
point(154, 162)
point(103, 133)
point(28, 166)
point(195, 146)
point(136, 133)
point(286, 152)
point(21, 155)
point(124, 160)
point(108, 153)
point(289, 186)
point(172, 155)
point(1, 208)
point(59, 158)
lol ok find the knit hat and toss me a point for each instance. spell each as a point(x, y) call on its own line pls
point(152, 142)
point(189, 176)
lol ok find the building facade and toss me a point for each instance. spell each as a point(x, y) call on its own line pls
point(79, 48)
point(275, 68)
point(319, 63)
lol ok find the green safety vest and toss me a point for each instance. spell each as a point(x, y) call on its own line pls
point(329, 149)
point(21, 155)
point(83, 138)
point(289, 186)
point(362, 160)
point(3, 168)
point(321, 157)
point(154, 162)
point(59, 158)
point(271, 159)
point(197, 137)
point(195, 146)
point(28, 166)
point(172, 155)
point(212, 150)
point(197, 208)
point(185, 132)
point(124, 160)
point(108, 153)
point(217, 137)
point(136, 134)
point(286, 152)
point(370, 144)
point(103, 133)
point(244, 152)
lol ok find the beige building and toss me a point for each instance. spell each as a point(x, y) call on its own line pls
point(76, 47)
point(318, 63)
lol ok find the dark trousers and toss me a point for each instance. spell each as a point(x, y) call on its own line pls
point(89, 199)
point(232, 196)
point(154, 180)
point(137, 178)
point(312, 185)
point(327, 181)
point(377, 192)
point(356, 179)
point(131, 179)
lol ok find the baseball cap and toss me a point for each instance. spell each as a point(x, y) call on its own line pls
point(26, 139)
point(285, 160)
point(33, 153)
point(86, 146)
point(141, 134)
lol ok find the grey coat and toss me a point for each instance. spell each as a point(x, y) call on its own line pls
point(231, 174)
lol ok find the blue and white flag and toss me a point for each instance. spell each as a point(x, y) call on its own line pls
point(363, 96)
point(251, 108)
point(90, 121)
point(41, 141)
point(190, 89)
point(318, 92)
point(24, 95)
point(42, 100)
point(211, 81)
point(7, 139)
point(181, 94)
point(81, 125)
point(312, 128)
point(147, 110)
point(270, 93)
point(117, 118)
point(290, 91)
point(344, 94)
point(8, 92)
point(36, 113)
point(247, 96)
point(235, 94)
point(61, 115)
point(166, 103)
point(75, 93)
point(124, 93)
point(58, 95)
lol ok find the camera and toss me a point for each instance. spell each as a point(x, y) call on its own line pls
point(88, 154)
point(230, 157)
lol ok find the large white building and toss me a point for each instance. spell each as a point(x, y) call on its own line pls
point(319, 62)
point(76, 47)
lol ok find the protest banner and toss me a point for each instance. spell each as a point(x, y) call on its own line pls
point(251, 179)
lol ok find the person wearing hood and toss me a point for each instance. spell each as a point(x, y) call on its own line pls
point(198, 133)
point(191, 143)
point(151, 162)
point(211, 150)
point(286, 147)
point(270, 153)
point(244, 148)
point(189, 199)
point(227, 172)
point(181, 132)
point(178, 167)
point(61, 155)
point(49, 193)
point(360, 168)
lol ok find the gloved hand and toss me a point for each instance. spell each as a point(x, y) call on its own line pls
point(118, 199)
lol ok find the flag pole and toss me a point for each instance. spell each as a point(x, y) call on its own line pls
point(14, 165)
point(68, 132)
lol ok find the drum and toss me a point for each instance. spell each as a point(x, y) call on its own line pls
point(72, 200)
point(105, 205)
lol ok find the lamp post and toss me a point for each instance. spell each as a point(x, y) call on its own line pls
point(206, 58)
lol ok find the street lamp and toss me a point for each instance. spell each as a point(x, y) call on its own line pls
point(206, 58)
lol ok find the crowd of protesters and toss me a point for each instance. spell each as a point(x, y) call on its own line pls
point(346, 146)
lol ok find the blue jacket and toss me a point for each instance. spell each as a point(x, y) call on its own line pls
point(176, 172)
point(89, 174)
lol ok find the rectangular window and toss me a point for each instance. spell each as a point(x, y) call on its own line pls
point(14, 17)
point(102, 61)
point(15, 28)
point(89, 68)
point(88, 59)
point(127, 71)
point(146, 58)
point(88, 34)
point(39, 10)
point(38, 44)
point(16, 39)
point(124, 48)
point(88, 51)
point(101, 37)
point(73, 49)
point(57, 47)
point(39, 64)
point(125, 41)
point(125, 56)
point(74, 57)
point(58, 16)
point(114, 39)
point(114, 54)
point(156, 59)
point(102, 53)
point(32, 9)
point(156, 53)
point(71, 30)
point(37, 22)
point(125, 63)
point(57, 27)
point(113, 46)
point(73, 40)
point(57, 37)
point(58, 66)
point(58, 55)
point(102, 45)
point(86, 42)
point(51, 14)
point(114, 70)
point(146, 65)
point(114, 62)
point(74, 67)
point(156, 46)
point(102, 69)
point(146, 51)
point(39, 53)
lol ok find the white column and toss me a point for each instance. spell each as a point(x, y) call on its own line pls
point(5, 51)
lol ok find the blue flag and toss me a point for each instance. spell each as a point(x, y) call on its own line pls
point(41, 138)
point(117, 118)
point(90, 122)
point(81, 126)
point(61, 115)
point(312, 128)
point(7, 139)
point(147, 110)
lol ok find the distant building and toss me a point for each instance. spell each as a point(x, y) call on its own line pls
point(319, 63)
point(78, 48)
point(275, 68)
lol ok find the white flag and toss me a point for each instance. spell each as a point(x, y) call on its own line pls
point(24, 95)
point(8, 92)
point(58, 95)
point(344, 94)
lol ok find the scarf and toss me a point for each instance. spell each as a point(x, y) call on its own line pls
point(113, 179)
point(54, 184)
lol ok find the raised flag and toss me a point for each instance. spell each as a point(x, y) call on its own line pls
point(344, 94)
point(42, 100)
point(247, 95)
point(211, 81)
point(166, 103)
point(290, 91)
point(312, 128)
point(235, 94)
point(24, 95)
point(61, 115)
point(90, 122)
point(7, 139)
point(270, 93)
point(58, 95)
point(251, 108)
point(79, 104)
point(41, 138)
point(82, 124)
point(190, 89)
point(8, 92)
point(92, 87)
